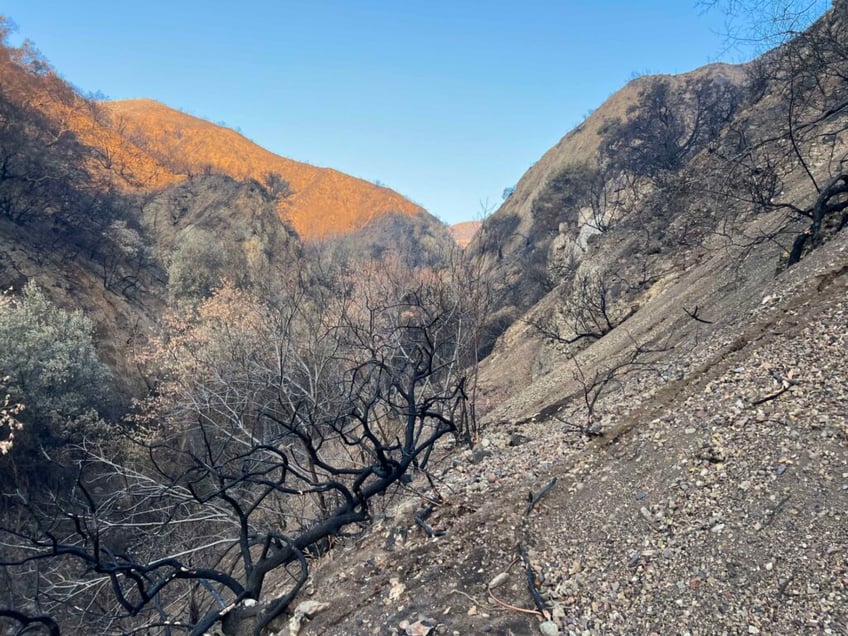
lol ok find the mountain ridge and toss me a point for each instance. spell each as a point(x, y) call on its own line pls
point(323, 201)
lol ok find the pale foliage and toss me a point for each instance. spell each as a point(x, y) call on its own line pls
point(196, 267)
point(49, 357)
point(9, 423)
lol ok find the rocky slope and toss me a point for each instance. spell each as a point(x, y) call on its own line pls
point(715, 503)
point(671, 457)
point(541, 220)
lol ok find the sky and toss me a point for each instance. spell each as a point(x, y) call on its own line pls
point(446, 101)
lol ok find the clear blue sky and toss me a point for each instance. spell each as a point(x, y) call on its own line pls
point(446, 101)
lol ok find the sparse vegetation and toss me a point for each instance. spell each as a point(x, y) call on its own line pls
point(293, 394)
point(277, 187)
point(275, 425)
point(765, 167)
point(587, 311)
point(198, 265)
point(123, 254)
point(667, 127)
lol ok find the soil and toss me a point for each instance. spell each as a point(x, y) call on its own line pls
point(713, 501)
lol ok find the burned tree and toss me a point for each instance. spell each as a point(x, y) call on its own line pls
point(276, 425)
point(669, 125)
point(589, 309)
point(599, 195)
point(795, 164)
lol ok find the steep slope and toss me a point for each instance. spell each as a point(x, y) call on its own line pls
point(117, 273)
point(141, 146)
point(516, 240)
point(323, 202)
point(665, 448)
point(95, 211)
point(717, 505)
point(36, 97)
point(660, 177)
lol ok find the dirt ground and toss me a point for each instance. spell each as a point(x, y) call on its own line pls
point(714, 502)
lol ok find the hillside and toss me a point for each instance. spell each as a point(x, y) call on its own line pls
point(702, 510)
point(83, 215)
point(324, 202)
point(622, 409)
point(95, 212)
point(515, 240)
point(464, 232)
point(665, 447)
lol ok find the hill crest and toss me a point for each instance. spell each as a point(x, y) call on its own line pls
point(323, 201)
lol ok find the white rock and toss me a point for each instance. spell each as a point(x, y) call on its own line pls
point(310, 608)
point(498, 580)
point(549, 628)
point(304, 610)
point(397, 589)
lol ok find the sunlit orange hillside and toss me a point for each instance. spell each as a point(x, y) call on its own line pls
point(324, 202)
point(35, 93)
point(463, 232)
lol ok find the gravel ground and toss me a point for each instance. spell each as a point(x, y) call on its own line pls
point(715, 502)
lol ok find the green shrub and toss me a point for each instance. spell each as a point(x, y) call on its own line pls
point(196, 267)
point(48, 356)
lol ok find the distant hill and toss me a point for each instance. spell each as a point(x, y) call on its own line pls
point(323, 201)
point(463, 232)
point(96, 221)
point(98, 199)
point(142, 146)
